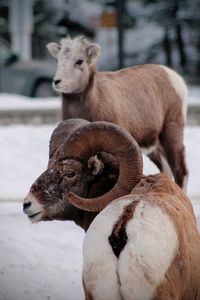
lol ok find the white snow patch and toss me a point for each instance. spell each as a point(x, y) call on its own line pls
point(24, 156)
point(39, 262)
point(18, 102)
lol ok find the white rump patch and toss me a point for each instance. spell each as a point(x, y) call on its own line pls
point(141, 267)
point(180, 88)
point(151, 248)
point(99, 261)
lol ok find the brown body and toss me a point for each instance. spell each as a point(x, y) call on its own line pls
point(128, 98)
point(141, 100)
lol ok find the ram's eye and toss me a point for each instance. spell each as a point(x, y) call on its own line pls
point(70, 174)
point(79, 62)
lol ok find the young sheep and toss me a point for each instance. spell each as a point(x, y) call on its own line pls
point(148, 100)
point(144, 245)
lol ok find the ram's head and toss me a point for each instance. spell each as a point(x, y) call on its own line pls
point(90, 164)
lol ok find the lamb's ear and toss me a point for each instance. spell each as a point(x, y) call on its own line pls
point(95, 165)
point(53, 48)
point(93, 51)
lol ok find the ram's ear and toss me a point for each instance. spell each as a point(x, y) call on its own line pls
point(95, 165)
point(93, 51)
point(53, 49)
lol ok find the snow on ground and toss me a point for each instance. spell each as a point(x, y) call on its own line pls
point(43, 261)
point(38, 262)
point(24, 155)
point(18, 102)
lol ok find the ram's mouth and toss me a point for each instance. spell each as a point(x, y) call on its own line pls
point(36, 217)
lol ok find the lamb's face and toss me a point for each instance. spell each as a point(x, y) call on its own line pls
point(72, 71)
point(48, 196)
point(74, 60)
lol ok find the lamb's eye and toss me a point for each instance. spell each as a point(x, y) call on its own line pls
point(79, 62)
point(70, 174)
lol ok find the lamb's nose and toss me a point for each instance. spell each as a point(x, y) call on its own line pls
point(57, 81)
point(26, 205)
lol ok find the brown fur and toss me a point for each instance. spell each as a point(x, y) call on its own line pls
point(182, 280)
point(118, 237)
point(142, 100)
point(125, 217)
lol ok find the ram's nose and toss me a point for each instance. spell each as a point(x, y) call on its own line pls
point(31, 206)
point(26, 205)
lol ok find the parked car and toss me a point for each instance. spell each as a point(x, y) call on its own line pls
point(29, 78)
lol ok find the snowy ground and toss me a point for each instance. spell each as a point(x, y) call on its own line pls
point(38, 262)
point(19, 102)
point(43, 261)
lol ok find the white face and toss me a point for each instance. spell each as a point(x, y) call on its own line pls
point(75, 59)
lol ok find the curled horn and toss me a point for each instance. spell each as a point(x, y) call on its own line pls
point(61, 132)
point(105, 136)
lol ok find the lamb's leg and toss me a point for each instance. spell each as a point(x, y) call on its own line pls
point(158, 158)
point(172, 143)
point(154, 156)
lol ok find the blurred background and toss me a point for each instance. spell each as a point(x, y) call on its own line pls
point(130, 32)
point(44, 261)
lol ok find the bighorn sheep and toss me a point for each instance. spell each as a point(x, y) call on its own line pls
point(90, 175)
point(144, 244)
point(148, 100)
